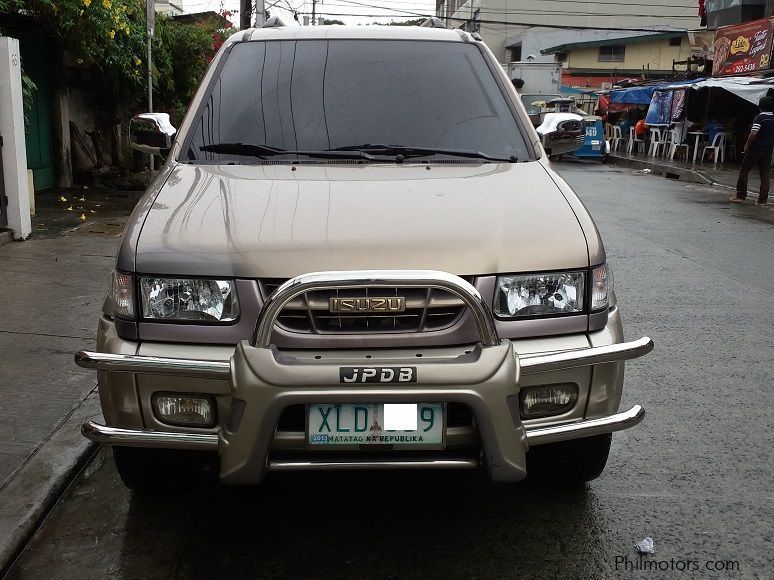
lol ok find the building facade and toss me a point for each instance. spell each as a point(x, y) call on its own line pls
point(169, 8)
point(505, 25)
point(602, 63)
point(727, 12)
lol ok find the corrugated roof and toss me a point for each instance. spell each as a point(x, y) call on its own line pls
point(612, 41)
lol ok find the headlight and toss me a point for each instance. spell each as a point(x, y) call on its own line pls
point(540, 294)
point(188, 299)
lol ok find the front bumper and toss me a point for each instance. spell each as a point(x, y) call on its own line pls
point(264, 381)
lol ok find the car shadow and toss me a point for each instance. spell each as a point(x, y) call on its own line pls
point(370, 525)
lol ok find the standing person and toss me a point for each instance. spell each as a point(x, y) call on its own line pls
point(757, 151)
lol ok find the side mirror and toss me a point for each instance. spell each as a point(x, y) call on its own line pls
point(151, 133)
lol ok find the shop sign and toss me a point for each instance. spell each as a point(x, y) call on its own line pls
point(743, 48)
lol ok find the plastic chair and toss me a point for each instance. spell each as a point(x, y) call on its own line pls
point(717, 147)
point(633, 140)
point(617, 138)
point(658, 140)
point(675, 143)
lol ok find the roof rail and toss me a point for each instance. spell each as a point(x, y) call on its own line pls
point(274, 22)
point(433, 22)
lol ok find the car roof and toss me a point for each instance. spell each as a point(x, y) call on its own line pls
point(358, 32)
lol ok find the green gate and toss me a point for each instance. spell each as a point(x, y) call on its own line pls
point(38, 130)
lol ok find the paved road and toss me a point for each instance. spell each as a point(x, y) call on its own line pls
point(692, 272)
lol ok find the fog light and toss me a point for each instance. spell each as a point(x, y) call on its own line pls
point(547, 400)
point(184, 410)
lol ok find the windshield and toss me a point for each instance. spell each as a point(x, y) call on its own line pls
point(313, 96)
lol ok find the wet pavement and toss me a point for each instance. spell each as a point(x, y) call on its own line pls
point(696, 475)
point(389, 525)
point(82, 212)
point(724, 175)
point(53, 285)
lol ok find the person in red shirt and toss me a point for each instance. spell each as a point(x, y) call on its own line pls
point(640, 128)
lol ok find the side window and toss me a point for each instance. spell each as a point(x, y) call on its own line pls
point(612, 53)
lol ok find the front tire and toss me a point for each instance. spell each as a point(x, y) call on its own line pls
point(151, 470)
point(569, 462)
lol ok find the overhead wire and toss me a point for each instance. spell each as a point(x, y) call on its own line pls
point(408, 5)
point(390, 12)
point(543, 13)
point(654, 29)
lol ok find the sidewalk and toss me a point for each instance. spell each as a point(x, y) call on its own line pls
point(51, 293)
point(723, 175)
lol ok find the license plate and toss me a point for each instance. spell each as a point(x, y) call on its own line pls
point(332, 425)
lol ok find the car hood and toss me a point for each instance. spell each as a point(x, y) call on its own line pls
point(282, 220)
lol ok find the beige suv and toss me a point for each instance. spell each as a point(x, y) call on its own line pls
point(358, 257)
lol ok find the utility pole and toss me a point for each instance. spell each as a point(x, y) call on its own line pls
point(245, 13)
point(260, 9)
point(314, 12)
point(150, 16)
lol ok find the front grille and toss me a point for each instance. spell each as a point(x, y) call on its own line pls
point(427, 309)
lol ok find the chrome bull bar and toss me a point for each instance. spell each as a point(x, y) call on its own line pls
point(209, 441)
point(208, 369)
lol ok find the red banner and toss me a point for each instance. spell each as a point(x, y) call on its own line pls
point(743, 48)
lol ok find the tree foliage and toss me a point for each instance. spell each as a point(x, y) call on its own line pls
point(108, 34)
point(181, 55)
point(110, 37)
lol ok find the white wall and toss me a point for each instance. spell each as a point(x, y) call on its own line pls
point(13, 151)
point(170, 8)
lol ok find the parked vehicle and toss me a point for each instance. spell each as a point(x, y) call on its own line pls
point(561, 133)
point(561, 129)
point(594, 144)
point(337, 269)
point(536, 107)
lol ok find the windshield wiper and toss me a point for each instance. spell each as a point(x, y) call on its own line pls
point(406, 152)
point(265, 151)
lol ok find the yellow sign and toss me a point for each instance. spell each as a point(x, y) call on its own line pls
point(741, 44)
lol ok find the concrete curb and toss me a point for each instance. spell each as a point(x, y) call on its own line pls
point(33, 490)
point(668, 171)
point(6, 236)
